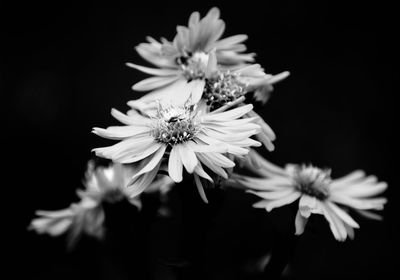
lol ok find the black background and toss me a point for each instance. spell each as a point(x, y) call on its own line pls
point(62, 70)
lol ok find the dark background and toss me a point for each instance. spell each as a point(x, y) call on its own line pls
point(62, 70)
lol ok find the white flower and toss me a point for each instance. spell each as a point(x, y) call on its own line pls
point(102, 184)
point(318, 194)
point(183, 62)
point(185, 136)
point(85, 217)
point(222, 88)
point(228, 87)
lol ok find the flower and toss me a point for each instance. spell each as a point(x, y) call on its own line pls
point(184, 135)
point(84, 217)
point(318, 194)
point(102, 184)
point(223, 87)
point(183, 62)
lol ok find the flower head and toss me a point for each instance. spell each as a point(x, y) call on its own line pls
point(221, 88)
point(102, 184)
point(182, 136)
point(317, 192)
point(183, 63)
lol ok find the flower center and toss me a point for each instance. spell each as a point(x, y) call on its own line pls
point(313, 181)
point(222, 89)
point(175, 125)
point(193, 65)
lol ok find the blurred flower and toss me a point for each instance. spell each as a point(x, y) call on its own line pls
point(318, 194)
point(185, 135)
point(102, 184)
point(86, 217)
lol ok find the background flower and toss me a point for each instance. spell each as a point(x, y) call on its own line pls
point(318, 193)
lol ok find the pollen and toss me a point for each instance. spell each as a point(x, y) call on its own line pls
point(175, 125)
point(222, 89)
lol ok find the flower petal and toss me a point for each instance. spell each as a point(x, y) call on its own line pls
point(154, 83)
point(200, 188)
point(175, 167)
point(188, 157)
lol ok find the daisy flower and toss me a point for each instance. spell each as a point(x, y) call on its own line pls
point(183, 62)
point(184, 136)
point(318, 193)
point(102, 184)
point(223, 87)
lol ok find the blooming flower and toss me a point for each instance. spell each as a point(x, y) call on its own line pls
point(318, 194)
point(185, 136)
point(230, 86)
point(190, 47)
point(87, 216)
point(223, 87)
point(183, 63)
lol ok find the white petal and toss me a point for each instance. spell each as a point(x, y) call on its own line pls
point(350, 178)
point(342, 215)
point(269, 205)
point(154, 83)
point(212, 64)
point(220, 160)
point(336, 225)
point(200, 188)
point(196, 88)
point(142, 182)
point(188, 157)
point(145, 153)
point(307, 205)
point(151, 162)
point(121, 132)
point(210, 164)
point(200, 148)
point(229, 115)
point(200, 172)
point(227, 42)
point(154, 71)
point(175, 165)
point(272, 195)
point(194, 19)
point(300, 223)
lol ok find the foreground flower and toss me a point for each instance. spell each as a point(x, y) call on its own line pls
point(87, 216)
point(184, 136)
point(222, 88)
point(318, 194)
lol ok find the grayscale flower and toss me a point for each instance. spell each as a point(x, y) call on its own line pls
point(102, 184)
point(317, 192)
point(185, 136)
point(183, 63)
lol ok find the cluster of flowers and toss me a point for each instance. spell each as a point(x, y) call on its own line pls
point(197, 121)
